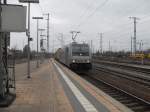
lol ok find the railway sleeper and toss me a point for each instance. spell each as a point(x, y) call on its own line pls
point(126, 101)
point(132, 104)
point(139, 108)
point(110, 91)
point(115, 95)
point(128, 75)
point(147, 109)
point(122, 98)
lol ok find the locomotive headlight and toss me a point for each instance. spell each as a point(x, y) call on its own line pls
point(73, 61)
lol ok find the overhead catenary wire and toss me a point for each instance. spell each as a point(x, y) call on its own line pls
point(92, 13)
point(137, 7)
point(125, 28)
point(127, 12)
point(113, 32)
point(87, 9)
point(107, 32)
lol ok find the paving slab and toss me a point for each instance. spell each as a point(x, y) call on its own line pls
point(42, 93)
point(48, 90)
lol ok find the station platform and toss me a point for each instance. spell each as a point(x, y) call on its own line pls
point(55, 88)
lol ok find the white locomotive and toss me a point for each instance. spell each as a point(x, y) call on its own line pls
point(76, 56)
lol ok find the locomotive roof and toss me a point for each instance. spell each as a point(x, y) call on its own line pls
point(75, 43)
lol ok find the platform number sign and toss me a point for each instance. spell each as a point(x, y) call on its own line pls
point(29, 1)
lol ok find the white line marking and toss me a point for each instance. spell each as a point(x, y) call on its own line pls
point(81, 98)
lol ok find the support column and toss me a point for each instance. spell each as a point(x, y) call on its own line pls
point(28, 41)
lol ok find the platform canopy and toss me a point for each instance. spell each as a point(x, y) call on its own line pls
point(29, 1)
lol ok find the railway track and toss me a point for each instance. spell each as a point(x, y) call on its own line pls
point(133, 83)
point(129, 89)
point(123, 60)
point(142, 79)
point(128, 85)
point(133, 102)
point(145, 69)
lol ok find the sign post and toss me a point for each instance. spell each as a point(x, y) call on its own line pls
point(28, 32)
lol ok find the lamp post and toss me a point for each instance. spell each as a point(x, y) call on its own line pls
point(37, 18)
point(28, 31)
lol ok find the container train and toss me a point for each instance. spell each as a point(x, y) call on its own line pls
point(76, 56)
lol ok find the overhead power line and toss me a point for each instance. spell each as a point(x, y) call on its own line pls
point(92, 13)
point(87, 9)
point(100, 6)
point(96, 9)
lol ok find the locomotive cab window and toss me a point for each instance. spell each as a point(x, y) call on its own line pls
point(80, 50)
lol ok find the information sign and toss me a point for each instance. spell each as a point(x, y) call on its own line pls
point(13, 18)
point(29, 1)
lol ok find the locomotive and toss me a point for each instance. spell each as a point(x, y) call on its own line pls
point(76, 56)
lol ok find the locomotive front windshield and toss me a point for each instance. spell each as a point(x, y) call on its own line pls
point(80, 50)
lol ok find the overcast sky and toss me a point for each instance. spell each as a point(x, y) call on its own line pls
point(90, 17)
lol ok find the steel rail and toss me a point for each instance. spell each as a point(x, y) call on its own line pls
point(121, 90)
point(144, 81)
